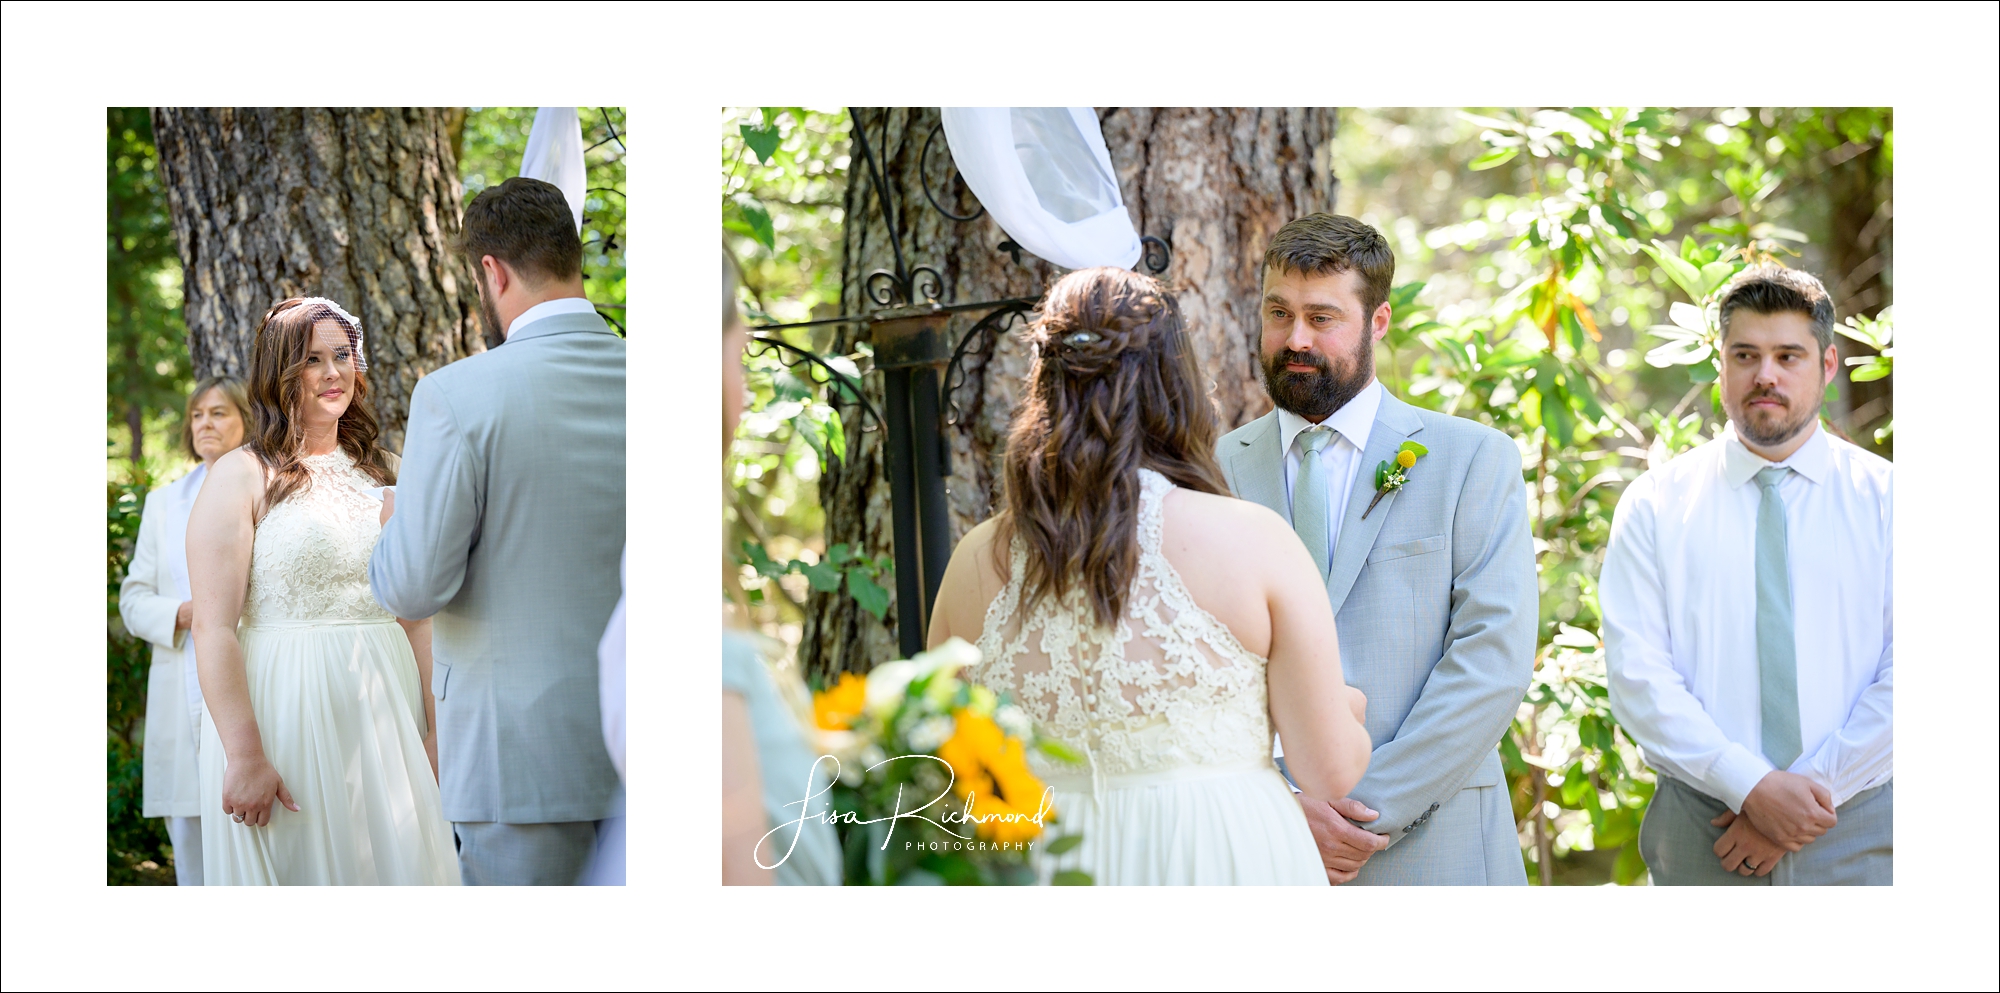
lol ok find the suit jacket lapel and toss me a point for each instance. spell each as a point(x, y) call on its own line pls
point(1259, 466)
point(1395, 422)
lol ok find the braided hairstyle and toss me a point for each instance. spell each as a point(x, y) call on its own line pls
point(1113, 388)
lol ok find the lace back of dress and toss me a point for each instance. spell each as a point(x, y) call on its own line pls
point(1144, 694)
point(310, 558)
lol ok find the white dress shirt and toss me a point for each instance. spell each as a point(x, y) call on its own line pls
point(1678, 593)
point(550, 308)
point(1340, 460)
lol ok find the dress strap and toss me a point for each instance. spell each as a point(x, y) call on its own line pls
point(1153, 490)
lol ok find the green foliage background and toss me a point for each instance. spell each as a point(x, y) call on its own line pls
point(148, 377)
point(1555, 267)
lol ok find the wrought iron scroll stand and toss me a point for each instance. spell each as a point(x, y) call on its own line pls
point(922, 369)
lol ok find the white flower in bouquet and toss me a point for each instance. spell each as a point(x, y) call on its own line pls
point(1014, 721)
point(931, 732)
point(871, 755)
point(889, 681)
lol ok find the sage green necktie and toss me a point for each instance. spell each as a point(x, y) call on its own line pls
point(1309, 501)
point(1777, 661)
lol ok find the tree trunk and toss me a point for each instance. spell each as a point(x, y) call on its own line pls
point(1214, 184)
point(361, 206)
point(1860, 269)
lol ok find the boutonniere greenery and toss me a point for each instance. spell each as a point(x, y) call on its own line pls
point(1390, 476)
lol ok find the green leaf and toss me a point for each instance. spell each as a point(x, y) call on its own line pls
point(868, 593)
point(1059, 751)
point(836, 437)
point(1586, 402)
point(757, 218)
point(1875, 368)
point(1404, 295)
point(762, 141)
point(1714, 274)
point(1493, 159)
point(1381, 474)
point(1063, 844)
point(762, 561)
point(1576, 783)
point(1566, 316)
point(1702, 372)
point(823, 576)
point(1556, 417)
point(1072, 877)
point(836, 555)
point(1411, 446)
point(1630, 867)
point(1684, 275)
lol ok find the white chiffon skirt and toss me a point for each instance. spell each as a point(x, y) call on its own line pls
point(1192, 826)
point(338, 707)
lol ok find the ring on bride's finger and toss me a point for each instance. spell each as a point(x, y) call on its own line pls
point(238, 818)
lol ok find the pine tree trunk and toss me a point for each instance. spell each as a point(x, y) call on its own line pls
point(361, 206)
point(1214, 184)
point(1860, 261)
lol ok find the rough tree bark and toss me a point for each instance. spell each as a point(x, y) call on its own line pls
point(1215, 184)
point(1860, 261)
point(361, 206)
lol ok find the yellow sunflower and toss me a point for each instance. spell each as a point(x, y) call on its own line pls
point(835, 709)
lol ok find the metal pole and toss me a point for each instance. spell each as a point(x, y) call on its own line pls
point(910, 613)
point(933, 465)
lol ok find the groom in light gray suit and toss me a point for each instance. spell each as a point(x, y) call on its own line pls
point(507, 524)
point(1432, 581)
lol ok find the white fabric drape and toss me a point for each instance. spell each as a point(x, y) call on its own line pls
point(555, 155)
point(1045, 176)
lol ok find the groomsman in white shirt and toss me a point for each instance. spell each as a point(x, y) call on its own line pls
point(1747, 619)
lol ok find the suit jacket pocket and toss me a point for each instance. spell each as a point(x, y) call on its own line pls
point(1406, 549)
point(440, 675)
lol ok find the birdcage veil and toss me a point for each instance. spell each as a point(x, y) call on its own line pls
point(349, 337)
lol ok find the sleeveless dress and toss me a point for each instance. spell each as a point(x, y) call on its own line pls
point(1170, 711)
point(333, 684)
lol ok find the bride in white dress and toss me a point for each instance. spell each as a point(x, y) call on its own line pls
point(1147, 619)
point(318, 762)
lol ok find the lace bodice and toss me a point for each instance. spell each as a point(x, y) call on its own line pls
point(310, 558)
point(1170, 686)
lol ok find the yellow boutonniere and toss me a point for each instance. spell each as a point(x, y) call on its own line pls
point(1390, 476)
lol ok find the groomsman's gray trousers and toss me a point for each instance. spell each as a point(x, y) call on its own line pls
point(1678, 843)
point(491, 853)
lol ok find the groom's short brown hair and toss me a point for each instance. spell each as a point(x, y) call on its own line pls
point(1322, 243)
point(527, 224)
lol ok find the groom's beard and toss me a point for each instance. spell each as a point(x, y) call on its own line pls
point(489, 315)
point(1316, 395)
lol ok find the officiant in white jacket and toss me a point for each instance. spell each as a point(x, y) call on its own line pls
point(155, 604)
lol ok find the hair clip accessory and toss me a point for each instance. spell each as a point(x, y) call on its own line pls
point(1078, 339)
point(351, 338)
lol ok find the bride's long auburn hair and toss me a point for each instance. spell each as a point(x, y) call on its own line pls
point(1113, 388)
point(278, 396)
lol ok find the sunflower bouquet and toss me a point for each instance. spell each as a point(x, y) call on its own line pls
point(933, 783)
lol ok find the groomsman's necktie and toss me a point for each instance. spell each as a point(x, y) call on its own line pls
point(1777, 661)
point(1309, 502)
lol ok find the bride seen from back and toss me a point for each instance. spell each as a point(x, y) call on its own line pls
point(1147, 618)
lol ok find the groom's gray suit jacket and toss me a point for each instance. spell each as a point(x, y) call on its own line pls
point(1436, 601)
point(510, 516)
